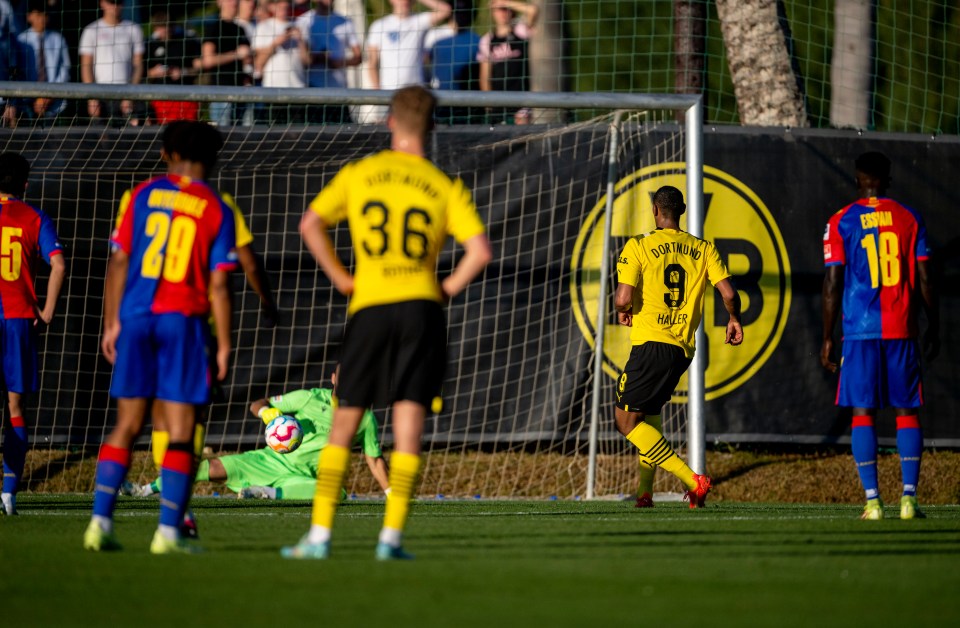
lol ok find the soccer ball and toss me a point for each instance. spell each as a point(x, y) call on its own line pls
point(284, 434)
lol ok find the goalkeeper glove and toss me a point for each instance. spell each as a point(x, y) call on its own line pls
point(267, 414)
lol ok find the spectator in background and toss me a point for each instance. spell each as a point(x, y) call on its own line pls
point(333, 45)
point(224, 51)
point(45, 59)
point(8, 38)
point(173, 58)
point(111, 52)
point(247, 18)
point(453, 61)
point(503, 53)
point(300, 7)
point(395, 45)
point(282, 57)
point(8, 50)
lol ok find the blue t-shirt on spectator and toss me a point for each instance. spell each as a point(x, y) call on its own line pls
point(454, 62)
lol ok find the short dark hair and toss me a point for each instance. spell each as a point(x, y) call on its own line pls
point(670, 201)
point(14, 172)
point(37, 6)
point(464, 11)
point(193, 141)
point(874, 164)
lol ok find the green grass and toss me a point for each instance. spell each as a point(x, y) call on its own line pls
point(492, 564)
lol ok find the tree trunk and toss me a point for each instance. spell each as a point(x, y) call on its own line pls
point(689, 45)
point(763, 81)
point(547, 68)
point(854, 32)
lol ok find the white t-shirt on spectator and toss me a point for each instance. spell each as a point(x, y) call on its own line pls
point(285, 67)
point(436, 34)
point(112, 49)
point(400, 42)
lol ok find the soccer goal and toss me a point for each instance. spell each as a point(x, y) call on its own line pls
point(534, 345)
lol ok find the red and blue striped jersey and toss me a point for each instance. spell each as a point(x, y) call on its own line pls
point(879, 242)
point(25, 234)
point(176, 230)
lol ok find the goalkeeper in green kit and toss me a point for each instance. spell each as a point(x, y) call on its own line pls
point(264, 473)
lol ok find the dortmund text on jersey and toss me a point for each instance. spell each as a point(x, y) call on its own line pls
point(671, 268)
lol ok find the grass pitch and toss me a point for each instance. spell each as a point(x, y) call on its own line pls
point(491, 564)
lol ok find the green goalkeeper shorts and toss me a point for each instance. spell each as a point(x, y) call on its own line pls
point(263, 467)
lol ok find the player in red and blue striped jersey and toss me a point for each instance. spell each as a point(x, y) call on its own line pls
point(26, 234)
point(173, 250)
point(876, 255)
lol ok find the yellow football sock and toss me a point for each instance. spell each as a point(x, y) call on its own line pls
point(648, 471)
point(655, 449)
point(199, 436)
point(160, 442)
point(331, 470)
point(404, 468)
point(162, 438)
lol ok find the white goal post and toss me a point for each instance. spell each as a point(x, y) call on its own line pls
point(593, 168)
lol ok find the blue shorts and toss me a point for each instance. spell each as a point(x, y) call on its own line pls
point(880, 373)
point(163, 356)
point(21, 366)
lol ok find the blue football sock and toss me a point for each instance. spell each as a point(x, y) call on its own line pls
point(863, 442)
point(910, 448)
point(177, 480)
point(111, 470)
point(14, 454)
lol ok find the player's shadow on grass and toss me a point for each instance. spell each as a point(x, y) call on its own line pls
point(226, 503)
point(53, 502)
point(48, 472)
point(741, 471)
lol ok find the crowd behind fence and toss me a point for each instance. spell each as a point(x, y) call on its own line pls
point(886, 65)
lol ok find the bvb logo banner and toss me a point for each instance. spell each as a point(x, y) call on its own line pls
point(750, 243)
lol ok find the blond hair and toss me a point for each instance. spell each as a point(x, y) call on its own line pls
point(412, 109)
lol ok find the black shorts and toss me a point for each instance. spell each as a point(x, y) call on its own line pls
point(217, 393)
point(650, 376)
point(395, 352)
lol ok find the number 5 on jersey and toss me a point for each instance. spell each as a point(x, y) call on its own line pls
point(11, 253)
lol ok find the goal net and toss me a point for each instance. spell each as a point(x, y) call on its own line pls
point(521, 382)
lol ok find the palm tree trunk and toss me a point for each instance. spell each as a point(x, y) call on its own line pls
point(850, 71)
point(689, 45)
point(763, 80)
point(547, 68)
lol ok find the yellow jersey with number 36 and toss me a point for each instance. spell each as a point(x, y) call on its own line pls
point(400, 209)
point(671, 268)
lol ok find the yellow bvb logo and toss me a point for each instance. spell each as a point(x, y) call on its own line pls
point(750, 243)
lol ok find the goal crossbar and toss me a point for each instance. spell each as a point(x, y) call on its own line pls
point(323, 96)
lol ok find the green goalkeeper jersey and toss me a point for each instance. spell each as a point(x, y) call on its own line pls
point(313, 408)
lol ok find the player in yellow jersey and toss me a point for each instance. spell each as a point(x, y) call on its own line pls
point(671, 269)
point(400, 209)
